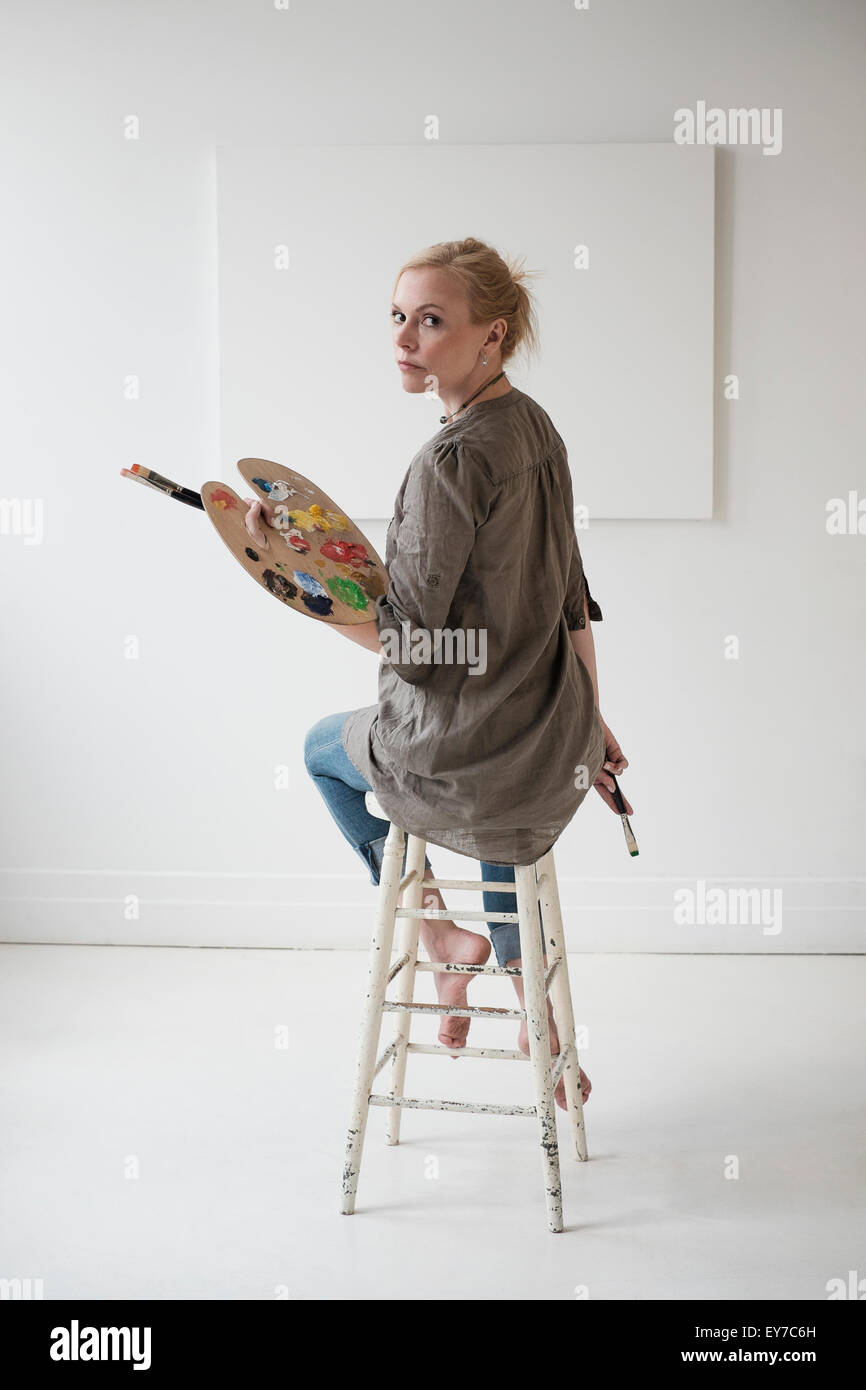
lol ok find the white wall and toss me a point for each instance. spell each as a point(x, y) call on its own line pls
point(645, 213)
point(155, 776)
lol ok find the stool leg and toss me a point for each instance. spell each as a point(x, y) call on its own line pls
point(408, 929)
point(560, 995)
point(380, 962)
point(532, 965)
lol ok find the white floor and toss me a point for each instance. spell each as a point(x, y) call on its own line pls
point(164, 1061)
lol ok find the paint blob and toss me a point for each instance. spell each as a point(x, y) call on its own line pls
point(253, 554)
point(224, 500)
point(318, 519)
point(297, 540)
point(314, 597)
point(324, 607)
point(348, 592)
point(372, 584)
point(308, 583)
point(279, 585)
point(349, 552)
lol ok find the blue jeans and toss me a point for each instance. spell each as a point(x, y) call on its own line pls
point(343, 790)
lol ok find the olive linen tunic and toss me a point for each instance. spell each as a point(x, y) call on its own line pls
point(482, 546)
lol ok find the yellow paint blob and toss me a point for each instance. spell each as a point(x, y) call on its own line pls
point(320, 519)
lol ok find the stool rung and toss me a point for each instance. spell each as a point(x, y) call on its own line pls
point(384, 1057)
point(496, 1054)
point(446, 914)
point(473, 884)
point(391, 1006)
point(560, 1060)
point(446, 967)
point(397, 967)
point(465, 1106)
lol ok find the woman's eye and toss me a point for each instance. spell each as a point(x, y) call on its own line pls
point(397, 313)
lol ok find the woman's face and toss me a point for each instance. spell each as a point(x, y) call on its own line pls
point(430, 319)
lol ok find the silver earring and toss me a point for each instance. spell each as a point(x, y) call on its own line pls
point(484, 359)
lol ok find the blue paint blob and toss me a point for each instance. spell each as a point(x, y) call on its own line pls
point(260, 482)
point(309, 584)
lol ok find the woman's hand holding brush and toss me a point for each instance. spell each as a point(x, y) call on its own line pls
point(615, 761)
point(607, 788)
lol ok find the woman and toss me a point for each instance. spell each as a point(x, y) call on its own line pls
point(486, 735)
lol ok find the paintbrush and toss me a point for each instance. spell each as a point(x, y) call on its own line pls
point(149, 478)
point(157, 478)
point(631, 842)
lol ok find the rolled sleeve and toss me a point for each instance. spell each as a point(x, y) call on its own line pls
point(445, 502)
point(578, 585)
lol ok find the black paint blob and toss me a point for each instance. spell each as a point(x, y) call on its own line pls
point(279, 585)
point(319, 604)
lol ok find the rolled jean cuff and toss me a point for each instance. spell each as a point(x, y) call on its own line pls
point(374, 853)
point(505, 937)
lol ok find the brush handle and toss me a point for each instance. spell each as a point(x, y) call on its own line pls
point(617, 795)
point(630, 840)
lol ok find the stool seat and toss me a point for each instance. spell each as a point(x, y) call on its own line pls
point(374, 808)
point(537, 895)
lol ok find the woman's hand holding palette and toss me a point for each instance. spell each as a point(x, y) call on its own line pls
point(314, 559)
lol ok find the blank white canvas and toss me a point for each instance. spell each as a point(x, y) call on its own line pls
point(307, 367)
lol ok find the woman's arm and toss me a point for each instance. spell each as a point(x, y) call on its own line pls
point(582, 641)
point(615, 760)
point(365, 634)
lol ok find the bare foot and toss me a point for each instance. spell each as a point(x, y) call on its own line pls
point(445, 941)
point(559, 1093)
point(523, 1045)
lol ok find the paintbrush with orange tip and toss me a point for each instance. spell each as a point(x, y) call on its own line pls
point(150, 478)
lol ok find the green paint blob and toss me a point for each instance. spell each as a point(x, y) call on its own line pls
point(348, 592)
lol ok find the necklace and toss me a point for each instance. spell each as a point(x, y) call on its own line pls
point(445, 419)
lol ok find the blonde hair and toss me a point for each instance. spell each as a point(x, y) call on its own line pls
point(494, 288)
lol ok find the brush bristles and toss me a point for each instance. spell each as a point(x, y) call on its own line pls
point(631, 842)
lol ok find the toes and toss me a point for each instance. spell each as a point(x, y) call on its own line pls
point(452, 1033)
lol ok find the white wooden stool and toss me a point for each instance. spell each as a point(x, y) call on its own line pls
point(534, 884)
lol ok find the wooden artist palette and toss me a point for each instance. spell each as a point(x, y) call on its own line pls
point(316, 560)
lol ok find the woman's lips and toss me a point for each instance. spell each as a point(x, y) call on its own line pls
point(409, 367)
